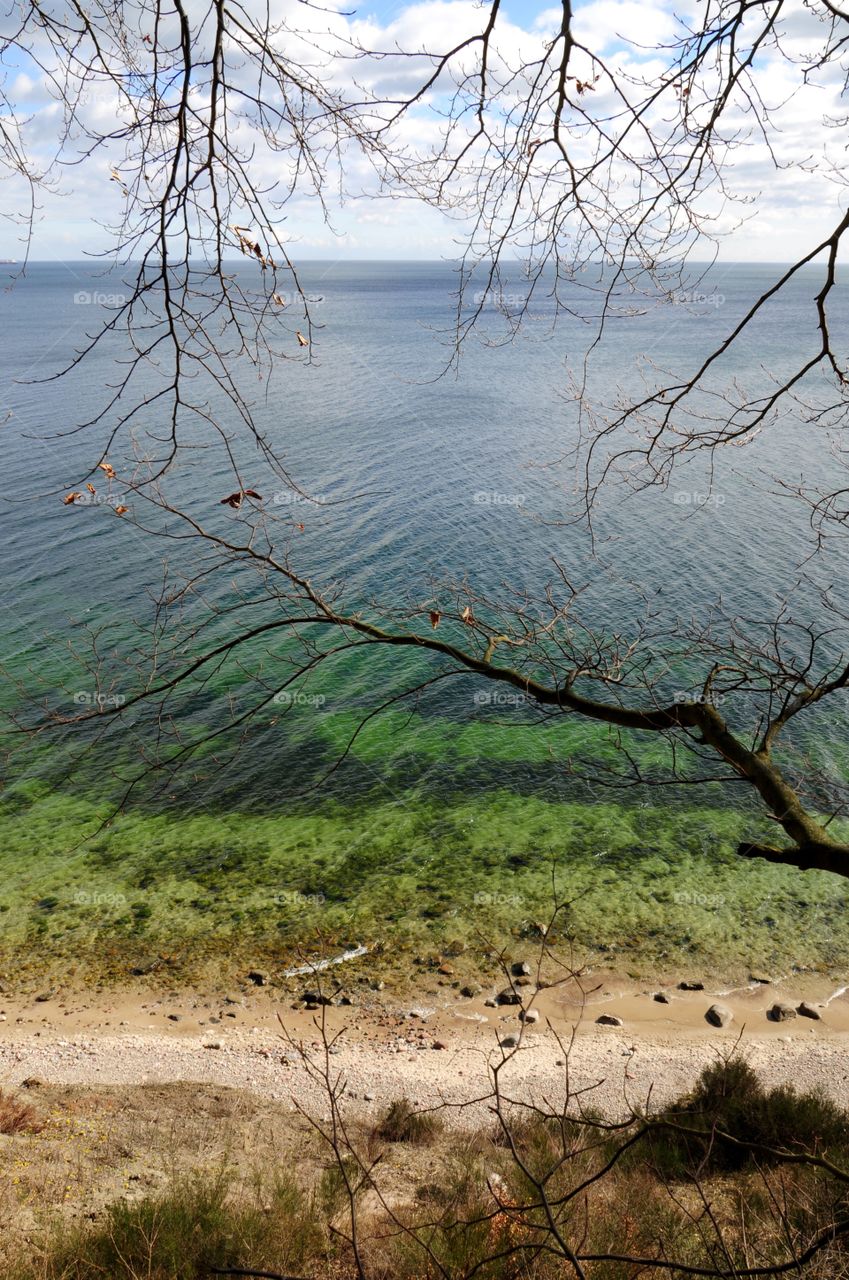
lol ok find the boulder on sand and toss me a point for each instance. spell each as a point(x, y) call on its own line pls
point(719, 1015)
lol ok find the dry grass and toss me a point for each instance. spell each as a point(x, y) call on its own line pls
point(163, 1182)
point(404, 1123)
point(17, 1116)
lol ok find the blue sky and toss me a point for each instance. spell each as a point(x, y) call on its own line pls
point(789, 208)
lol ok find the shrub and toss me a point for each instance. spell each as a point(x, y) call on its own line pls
point(185, 1232)
point(17, 1116)
point(730, 1099)
point(402, 1123)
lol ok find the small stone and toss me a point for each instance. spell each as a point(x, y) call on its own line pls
point(508, 996)
point(470, 991)
point(719, 1015)
point(781, 1011)
point(521, 969)
point(315, 997)
point(509, 1042)
point(446, 970)
point(346, 1000)
point(44, 996)
point(529, 1015)
point(760, 978)
point(691, 986)
point(661, 997)
point(368, 1097)
point(312, 1004)
point(609, 1020)
point(490, 1003)
point(809, 1011)
point(212, 1044)
point(32, 1082)
point(439, 1044)
point(258, 978)
point(175, 1017)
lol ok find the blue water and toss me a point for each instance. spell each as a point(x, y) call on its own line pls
point(399, 452)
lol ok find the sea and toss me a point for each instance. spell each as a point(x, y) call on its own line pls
point(342, 805)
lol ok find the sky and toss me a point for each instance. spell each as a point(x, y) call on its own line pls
point(782, 204)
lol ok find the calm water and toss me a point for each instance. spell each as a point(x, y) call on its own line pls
point(402, 456)
point(409, 464)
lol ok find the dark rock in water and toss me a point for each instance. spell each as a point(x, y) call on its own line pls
point(521, 969)
point(691, 986)
point(809, 1011)
point(470, 991)
point(455, 948)
point(258, 978)
point(508, 996)
point(719, 1015)
point(609, 1020)
point(660, 997)
point(781, 1011)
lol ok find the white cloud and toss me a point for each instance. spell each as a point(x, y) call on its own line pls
point(793, 205)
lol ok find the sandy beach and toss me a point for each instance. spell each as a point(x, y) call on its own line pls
point(431, 1048)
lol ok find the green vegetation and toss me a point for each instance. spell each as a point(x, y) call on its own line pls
point(731, 1107)
point(651, 888)
point(470, 1204)
point(403, 1123)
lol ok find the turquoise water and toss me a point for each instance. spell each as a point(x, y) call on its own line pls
point(399, 461)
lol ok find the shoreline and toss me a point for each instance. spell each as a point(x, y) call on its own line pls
point(431, 1045)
